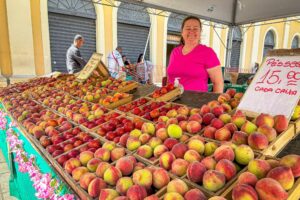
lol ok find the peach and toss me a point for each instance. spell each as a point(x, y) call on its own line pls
point(112, 175)
point(217, 123)
point(194, 194)
point(225, 117)
point(207, 118)
point(231, 127)
point(93, 164)
point(264, 119)
point(259, 168)
point(102, 154)
point(193, 127)
point(239, 119)
point(224, 152)
point(148, 128)
point(121, 198)
point(213, 180)
point(281, 123)
point(179, 167)
point(143, 178)
point(247, 178)
point(209, 162)
point(133, 143)
point(136, 192)
point(177, 185)
point(86, 179)
point(144, 138)
point(166, 160)
point(223, 134)
point(183, 138)
point(152, 197)
point(217, 110)
point(159, 150)
point(125, 165)
point(238, 95)
point(155, 141)
point(109, 145)
point(231, 92)
point(195, 172)
point(173, 196)
point(160, 178)
point(123, 185)
point(85, 156)
point(196, 145)
point(283, 175)
point(78, 172)
point(162, 133)
point(210, 148)
point(296, 113)
point(183, 125)
point(172, 113)
point(174, 131)
point(269, 189)
point(102, 167)
point(170, 142)
point(249, 127)
point(239, 137)
point(95, 187)
point(269, 132)
point(224, 97)
point(71, 164)
point(195, 117)
point(258, 141)
point(108, 194)
point(135, 133)
point(179, 150)
point(145, 151)
point(183, 110)
point(117, 153)
point(243, 154)
point(243, 191)
point(123, 139)
point(227, 107)
point(292, 161)
point(191, 156)
point(173, 120)
point(204, 109)
point(227, 168)
point(162, 119)
point(209, 132)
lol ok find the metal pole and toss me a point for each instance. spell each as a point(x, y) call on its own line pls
point(148, 38)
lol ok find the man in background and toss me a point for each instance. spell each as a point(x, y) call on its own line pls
point(115, 62)
point(74, 60)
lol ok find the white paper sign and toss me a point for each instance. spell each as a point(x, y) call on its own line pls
point(275, 88)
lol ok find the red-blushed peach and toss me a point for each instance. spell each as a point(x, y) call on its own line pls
point(123, 139)
point(162, 134)
point(85, 156)
point(269, 132)
point(144, 138)
point(138, 166)
point(217, 123)
point(224, 152)
point(259, 168)
point(239, 119)
point(227, 107)
point(193, 127)
point(209, 132)
point(159, 150)
point(207, 118)
point(283, 175)
point(179, 167)
point(177, 185)
point(86, 179)
point(231, 127)
point(174, 131)
point(102, 154)
point(195, 117)
point(195, 172)
point(101, 169)
point(225, 117)
point(196, 145)
point(249, 127)
point(184, 138)
point(269, 189)
point(172, 113)
point(264, 119)
point(112, 175)
point(108, 194)
point(173, 196)
point(238, 95)
point(217, 110)
point(154, 142)
point(204, 109)
point(258, 141)
point(209, 162)
point(93, 164)
point(173, 120)
point(148, 128)
point(243, 154)
point(224, 97)
point(281, 123)
point(123, 184)
point(247, 178)
point(194, 194)
point(143, 178)
point(133, 143)
point(78, 172)
point(183, 110)
point(210, 148)
point(160, 178)
point(170, 142)
point(243, 191)
point(227, 168)
point(95, 187)
point(239, 137)
point(223, 134)
point(71, 164)
point(125, 165)
point(117, 153)
point(191, 156)
point(145, 151)
point(213, 180)
point(292, 161)
point(109, 145)
point(152, 197)
point(136, 192)
point(166, 160)
point(179, 150)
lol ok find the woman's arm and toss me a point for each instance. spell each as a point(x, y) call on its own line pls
point(216, 77)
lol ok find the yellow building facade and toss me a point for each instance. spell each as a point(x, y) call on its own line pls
point(25, 46)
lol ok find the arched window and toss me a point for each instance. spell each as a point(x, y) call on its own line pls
point(269, 42)
point(295, 42)
point(236, 47)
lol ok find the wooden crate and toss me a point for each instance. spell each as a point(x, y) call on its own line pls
point(119, 103)
point(128, 88)
point(170, 96)
point(297, 126)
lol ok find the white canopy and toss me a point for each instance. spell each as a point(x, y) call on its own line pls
point(229, 12)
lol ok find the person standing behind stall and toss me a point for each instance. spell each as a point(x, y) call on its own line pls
point(74, 61)
point(115, 62)
point(194, 63)
point(146, 72)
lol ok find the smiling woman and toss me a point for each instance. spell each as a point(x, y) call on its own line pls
point(194, 63)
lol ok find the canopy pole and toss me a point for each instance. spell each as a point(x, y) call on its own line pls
point(229, 48)
point(147, 42)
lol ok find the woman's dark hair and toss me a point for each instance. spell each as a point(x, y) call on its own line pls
point(183, 23)
point(140, 58)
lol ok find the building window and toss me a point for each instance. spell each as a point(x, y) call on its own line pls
point(269, 42)
point(295, 42)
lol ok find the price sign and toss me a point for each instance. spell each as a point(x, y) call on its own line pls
point(275, 88)
point(92, 64)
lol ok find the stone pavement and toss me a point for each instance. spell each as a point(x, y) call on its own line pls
point(4, 180)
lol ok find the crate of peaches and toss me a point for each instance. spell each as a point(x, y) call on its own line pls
point(118, 85)
point(166, 93)
point(116, 100)
point(134, 105)
point(146, 108)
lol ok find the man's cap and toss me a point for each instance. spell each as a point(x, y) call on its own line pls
point(78, 37)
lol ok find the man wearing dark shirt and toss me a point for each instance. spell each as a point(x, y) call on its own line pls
point(75, 62)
